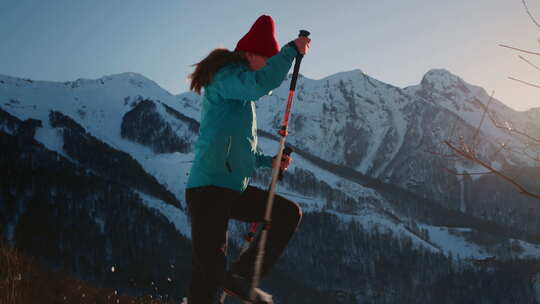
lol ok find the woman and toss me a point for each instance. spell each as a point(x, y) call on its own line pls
point(226, 155)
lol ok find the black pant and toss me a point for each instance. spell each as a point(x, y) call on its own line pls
point(210, 209)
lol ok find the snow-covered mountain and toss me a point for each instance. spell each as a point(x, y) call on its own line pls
point(348, 119)
point(396, 136)
point(363, 153)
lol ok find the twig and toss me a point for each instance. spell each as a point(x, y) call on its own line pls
point(531, 157)
point(530, 63)
point(524, 152)
point(516, 131)
point(503, 147)
point(524, 82)
point(516, 49)
point(497, 124)
point(472, 157)
point(529, 13)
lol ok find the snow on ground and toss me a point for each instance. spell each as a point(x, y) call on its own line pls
point(52, 139)
point(371, 219)
point(354, 190)
point(466, 105)
point(474, 170)
point(450, 240)
point(452, 243)
point(441, 239)
point(176, 216)
point(187, 103)
point(529, 250)
point(98, 106)
point(168, 168)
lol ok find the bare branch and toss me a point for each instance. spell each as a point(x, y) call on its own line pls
point(521, 133)
point(472, 156)
point(433, 151)
point(529, 13)
point(530, 63)
point(506, 126)
point(529, 156)
point(528, 147)
point(503, 147)
point(516, 49)
point(524, 82)
point(523, 152)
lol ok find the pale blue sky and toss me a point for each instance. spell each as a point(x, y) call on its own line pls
point(394, 41)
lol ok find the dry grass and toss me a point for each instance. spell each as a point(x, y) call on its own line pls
point(24, 281)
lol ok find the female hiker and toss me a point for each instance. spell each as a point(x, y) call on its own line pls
point(226, 155)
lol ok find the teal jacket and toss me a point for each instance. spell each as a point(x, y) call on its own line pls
point(226, 152)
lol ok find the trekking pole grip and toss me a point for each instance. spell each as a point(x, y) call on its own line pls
point(303, 33)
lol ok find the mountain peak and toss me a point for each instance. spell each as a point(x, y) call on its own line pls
point(356, 73)
point(126, 76)
point(130, 77)
point(442, 80)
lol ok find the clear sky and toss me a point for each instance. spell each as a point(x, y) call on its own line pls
point(395, 41)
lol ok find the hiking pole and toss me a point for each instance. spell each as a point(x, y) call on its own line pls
point(283, 132)
point(250, 235)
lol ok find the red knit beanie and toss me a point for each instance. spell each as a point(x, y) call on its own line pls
point(261, 38)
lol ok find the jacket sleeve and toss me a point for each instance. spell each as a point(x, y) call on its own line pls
point(245, 84)
point(262, 160)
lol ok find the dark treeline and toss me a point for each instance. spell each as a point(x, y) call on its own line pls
point(85, 224)
point(361, 265)
point(99, 157)
point(145, 125)
point(498, 208)
point(357, 265)
point(405, 203)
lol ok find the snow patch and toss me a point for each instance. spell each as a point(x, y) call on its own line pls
point(100, 223)
point(453, 243)
point(176, 216)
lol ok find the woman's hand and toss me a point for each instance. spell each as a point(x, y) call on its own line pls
point(302, 44)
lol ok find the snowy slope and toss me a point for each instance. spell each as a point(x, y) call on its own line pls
point(441, 87)
point(350, 102)
point(97, 105)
